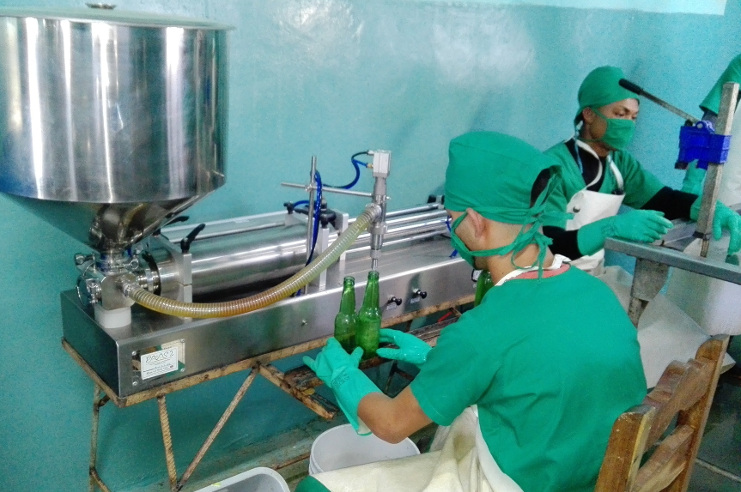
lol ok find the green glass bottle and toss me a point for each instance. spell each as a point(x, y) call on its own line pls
point(346, 320)
point(368, 330)
point(483, 284)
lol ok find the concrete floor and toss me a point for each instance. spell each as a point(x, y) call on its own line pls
point(718, 468)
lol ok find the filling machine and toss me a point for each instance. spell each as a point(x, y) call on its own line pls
point(112, 125)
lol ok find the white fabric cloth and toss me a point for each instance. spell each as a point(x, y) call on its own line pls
point(665, 332)
point(591, 206)
point(712, 303)
point(457, 462)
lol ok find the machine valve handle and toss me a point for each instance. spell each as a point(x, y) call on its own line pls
point(420, 293)
point(395, 300)
point(185, 242)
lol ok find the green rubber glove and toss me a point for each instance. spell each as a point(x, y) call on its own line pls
point(693, 179)
point(643, 226)
point(339, 371)
point(411, 349)
point(732, 73)
point(724, 219)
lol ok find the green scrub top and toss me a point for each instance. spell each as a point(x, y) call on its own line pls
point(551, 363)
point(640, 185)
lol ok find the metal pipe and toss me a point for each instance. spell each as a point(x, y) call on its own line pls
point(229, 262)
point(130, 288)
point(714, 173)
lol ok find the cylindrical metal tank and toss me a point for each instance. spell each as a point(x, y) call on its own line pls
point(110, 122)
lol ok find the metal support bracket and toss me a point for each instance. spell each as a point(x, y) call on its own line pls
point(648, 280)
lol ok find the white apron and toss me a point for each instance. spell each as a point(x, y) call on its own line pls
point(458, 461)
point(591, 206)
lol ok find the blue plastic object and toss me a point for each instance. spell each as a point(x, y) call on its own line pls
point(699, 142)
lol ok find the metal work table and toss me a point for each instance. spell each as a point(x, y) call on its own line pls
point(653, 262)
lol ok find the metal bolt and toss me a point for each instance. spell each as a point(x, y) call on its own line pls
point(304, 322)
point(133, 353)
point(134, 383)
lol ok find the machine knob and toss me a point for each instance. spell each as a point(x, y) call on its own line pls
point(395, 300)
point(422, 294)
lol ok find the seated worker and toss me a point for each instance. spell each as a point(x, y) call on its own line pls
point(599, 176)
point(547, 342)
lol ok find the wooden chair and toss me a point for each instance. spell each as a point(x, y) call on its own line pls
point(641, 455)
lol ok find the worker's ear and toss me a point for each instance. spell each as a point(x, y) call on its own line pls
point(477, 222)
point(588, 115)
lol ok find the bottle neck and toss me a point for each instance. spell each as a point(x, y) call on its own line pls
point(347, 305)
point(371, 291)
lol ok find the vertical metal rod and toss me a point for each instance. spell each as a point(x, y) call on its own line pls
point(167, 440)
point(713, 176)
point(93, 475)
point(219, 425)
point(310, 215)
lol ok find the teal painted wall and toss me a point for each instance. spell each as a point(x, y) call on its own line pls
point(328, 78)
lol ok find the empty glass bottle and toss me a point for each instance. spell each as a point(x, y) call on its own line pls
point(346, 320)
point(368, 330)
point(483, 284)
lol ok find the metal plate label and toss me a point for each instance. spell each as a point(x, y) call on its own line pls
point(159, 362)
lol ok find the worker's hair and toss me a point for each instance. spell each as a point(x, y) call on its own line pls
point(539, 185)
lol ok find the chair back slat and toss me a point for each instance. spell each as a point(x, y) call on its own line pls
point(643, 454)
point(666, 463)
point(680, 387)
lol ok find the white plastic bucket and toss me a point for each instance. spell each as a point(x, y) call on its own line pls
point(340, 447)
point(260, 479)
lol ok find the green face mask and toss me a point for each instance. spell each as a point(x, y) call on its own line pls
point(619, 132)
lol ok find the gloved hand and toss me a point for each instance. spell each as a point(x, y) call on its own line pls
point(693, 178)
point(339, 371)
point(637, 225)
point(732, 73)
point(724, 218)
point(411, 349)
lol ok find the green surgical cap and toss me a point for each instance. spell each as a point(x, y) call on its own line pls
point(732, 73)
point(601, 88)
point(493, 174)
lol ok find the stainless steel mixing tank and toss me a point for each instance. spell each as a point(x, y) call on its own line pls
point(110, 122)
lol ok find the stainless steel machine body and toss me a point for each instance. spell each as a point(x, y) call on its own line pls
point(416, 270)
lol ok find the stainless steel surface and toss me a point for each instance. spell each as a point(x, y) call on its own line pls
point(211, 343)
point(110, 122)
point(242, 253)
point(716, 265)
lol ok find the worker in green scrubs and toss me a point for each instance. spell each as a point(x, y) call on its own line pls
point(528, 385)
point(600, 175)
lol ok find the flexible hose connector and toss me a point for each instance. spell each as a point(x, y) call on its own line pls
point(270, 296)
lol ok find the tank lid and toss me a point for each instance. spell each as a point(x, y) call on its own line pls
point(105, 13)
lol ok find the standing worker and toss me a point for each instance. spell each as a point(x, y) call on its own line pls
point(711, 302)
point(599, 176)
point(546, 384)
